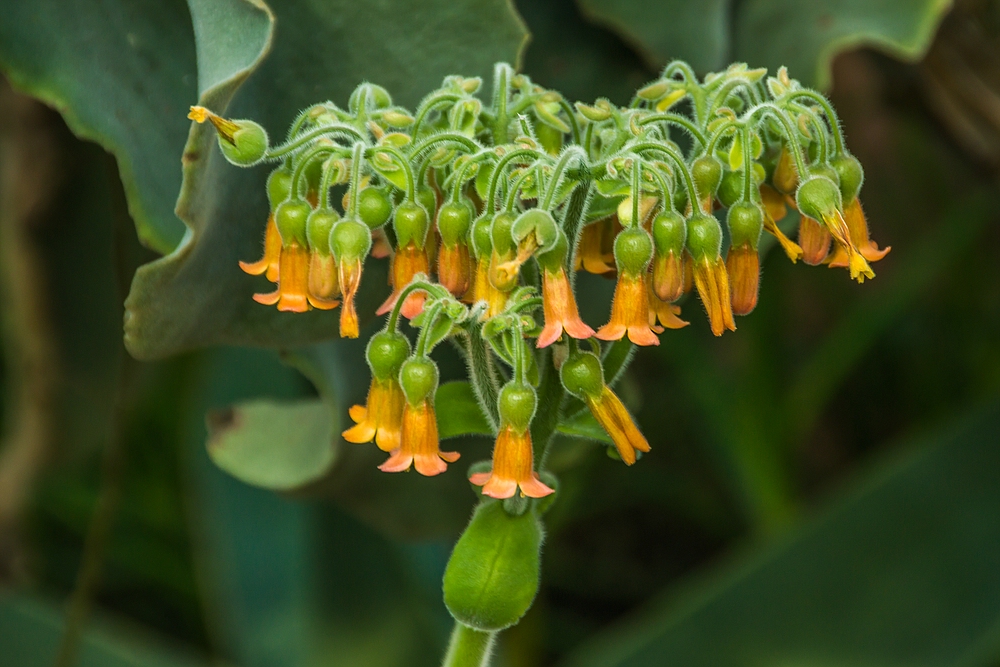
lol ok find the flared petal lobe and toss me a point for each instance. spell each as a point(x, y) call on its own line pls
point(712, 282)
point(560, 309)
point(513, 468)
point(419, 443)
point(611, 414)
point(268, 264)
point(406, 263)
point(629, 312)
point(381, 419)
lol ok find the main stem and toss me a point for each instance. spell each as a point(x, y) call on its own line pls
point(469, 647)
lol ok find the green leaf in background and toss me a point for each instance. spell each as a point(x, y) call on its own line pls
point(804, 36)
point(31, 629)
point(198, 295)
point(662, 31)
point(122, 73)
point(458, 412)
point(904, 569)
point(279, 446)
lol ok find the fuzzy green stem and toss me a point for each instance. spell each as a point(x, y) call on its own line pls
point(498, 173)
point(831, 116)
point(550, 194)
point(356, 157)
point(679, 121)
point(427, 105)
point(469, 647)
point(404, 164)
point(305, 138)
point(681, 167)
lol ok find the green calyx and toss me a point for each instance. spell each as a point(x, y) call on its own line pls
point(582, 375)
point(411, 224)
point(386, 352)
point(350, 240)
point(851, 175)
point(516, 405)
point(706, 172)
point(318, 227)
point(480, 238)
point(374, 207)
point(501, 232)
point(731, 187)
point(538, 223)
point(746, 223)
point(291, 217)
point(419, 378)
point(633, 250)
point(453, 222)
point(245, 145)
point(669, 232)
point(279, 186)
point(427, 199)
point(818, 197)
point(493, 573)
point(704, 236)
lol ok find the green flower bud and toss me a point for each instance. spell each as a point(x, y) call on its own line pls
point(851, 175)
point(818, 197)
point(411, 224)
point(397, 119)
point(707, 174)
point(279, 186)
point(538, 222)
point(633, 250)
point(493, 573)
point(386, 352)
point(419, 379)
point(374, 207)
point(376, 95)
point(550, 138)
point(318, 227)
point(823, 169)
point(501, 232)
point(291, 217)
point(746, 222)
point(731, 187)
point(654, 91)
point(593, 113)
point(516, 405)
point(350, 240)
point(704, 237)
point(669, 232)
point(453, 222)
point(480, 238)
point(582, 375)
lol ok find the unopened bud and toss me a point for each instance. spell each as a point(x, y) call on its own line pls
point(582, 375)
point(291, 217)
point(419, 379)
point(318, 227)
point(633, 250)
point(386, 352)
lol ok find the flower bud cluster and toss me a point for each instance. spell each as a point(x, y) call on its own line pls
point(488, 210)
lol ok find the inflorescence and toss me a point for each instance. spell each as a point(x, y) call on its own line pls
point(475, 192)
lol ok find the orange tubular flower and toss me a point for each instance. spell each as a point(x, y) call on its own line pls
point(611, 414)
point(819, 198)
point(268, 264)
point(324, 283)
point(483, 290)
point(712, 282)
point(774, 210)
point(513, 468)
point(419, 443)
point(293, 277)
point(629, 312)
point(814, 240)
point(559, 306)
point(667, 313)
point(350, 280)
point(454, 268)
point(380, 244)
point(857, 226)
point(408, 261)
point(594, 253)
point(381, 419)
point(630, 307)
point(743, 265)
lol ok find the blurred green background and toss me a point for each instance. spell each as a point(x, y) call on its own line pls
point(824, 487)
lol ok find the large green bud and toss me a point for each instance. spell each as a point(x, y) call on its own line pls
point(493, 573)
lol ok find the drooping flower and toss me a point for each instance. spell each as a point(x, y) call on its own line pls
point(710, 277)
point(381, 418)
point(407, 262)
point(482, 289)
point(558, 302)
point(513, 458)
point(268, 264)
point(454, 263)
point(419, 444)
point(669, 234)
point(746, 223)
point(630, 307)
point(814, 239)
point(350, 241)
point(819, 198)
point(594, 253)
point(292, 294)
point(582, 376)
point(774, 211)
point(664, 312)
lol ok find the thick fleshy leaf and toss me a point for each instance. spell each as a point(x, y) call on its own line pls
point(901, 570)
point(661, 31)
point(198, 295)
point(804, 36)
point(277, 446)
point(122, 73)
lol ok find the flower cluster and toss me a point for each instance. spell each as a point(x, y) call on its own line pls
point(505, 202)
